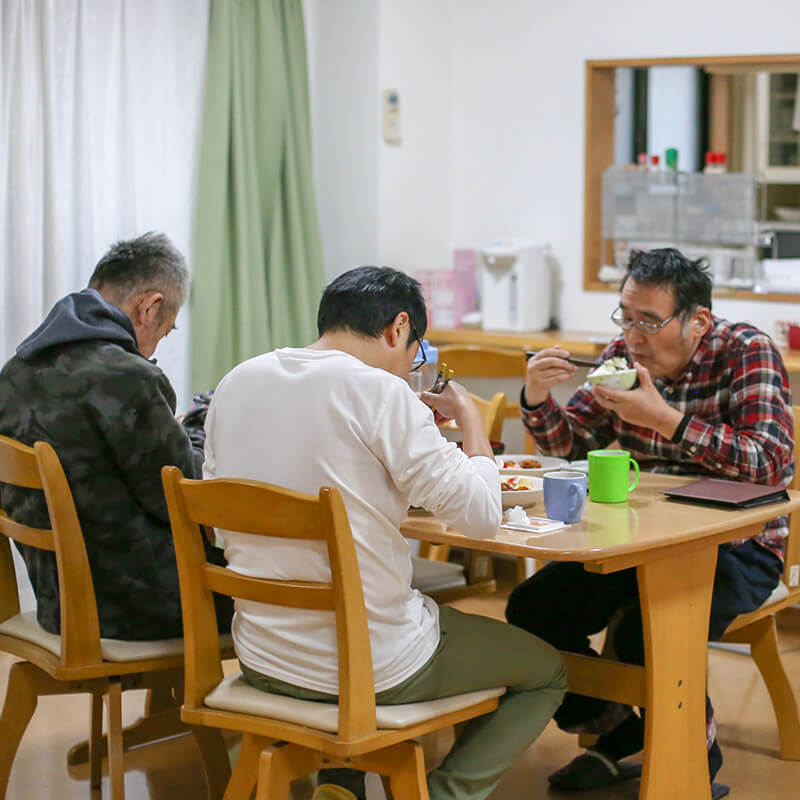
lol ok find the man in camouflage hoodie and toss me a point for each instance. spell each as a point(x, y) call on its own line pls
point(83, 382)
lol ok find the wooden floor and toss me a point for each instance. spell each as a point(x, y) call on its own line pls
point(171, 769)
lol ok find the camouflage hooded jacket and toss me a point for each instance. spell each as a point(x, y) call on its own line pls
point(80, 383)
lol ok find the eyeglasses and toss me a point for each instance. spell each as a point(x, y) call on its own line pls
point(650, 328)
point(421, 348)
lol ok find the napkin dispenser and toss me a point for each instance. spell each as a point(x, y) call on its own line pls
point(515, 286)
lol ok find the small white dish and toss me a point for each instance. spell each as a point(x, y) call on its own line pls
point(524, 497)
point(547, 464)
point(787, 213)
point(624, 379)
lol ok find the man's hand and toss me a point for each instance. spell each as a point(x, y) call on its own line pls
point(642, 406)
point(453, 403)
point(545, 370)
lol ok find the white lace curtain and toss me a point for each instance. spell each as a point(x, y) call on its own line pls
point(100, 111)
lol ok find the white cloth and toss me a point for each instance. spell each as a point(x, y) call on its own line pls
point(303, 419)
point(100, 113)
point(100, 110)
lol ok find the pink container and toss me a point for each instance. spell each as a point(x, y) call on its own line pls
point(451, 293)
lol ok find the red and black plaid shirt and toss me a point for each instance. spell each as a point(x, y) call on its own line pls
point(740, 427)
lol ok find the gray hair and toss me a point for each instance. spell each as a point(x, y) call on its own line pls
point(148, 263)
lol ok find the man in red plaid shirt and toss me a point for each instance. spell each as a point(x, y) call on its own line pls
point(712, 399)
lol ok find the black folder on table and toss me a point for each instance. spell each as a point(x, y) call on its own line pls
point(727, 494)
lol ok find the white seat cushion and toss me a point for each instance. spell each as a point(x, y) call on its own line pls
point(430, 576)
point(778, 593)
point(26, 627)
point(235, 694)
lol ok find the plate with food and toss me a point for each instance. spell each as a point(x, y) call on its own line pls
point(520, 490)
point(613, 373)
point(523, 464)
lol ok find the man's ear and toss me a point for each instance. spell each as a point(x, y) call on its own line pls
point(149, 307)
point(701, 322)
point(394, 330)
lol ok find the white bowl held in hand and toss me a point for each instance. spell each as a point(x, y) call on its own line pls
point(613, 374)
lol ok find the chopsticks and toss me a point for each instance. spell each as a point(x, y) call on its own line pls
point(578, 362)
point(442, 379)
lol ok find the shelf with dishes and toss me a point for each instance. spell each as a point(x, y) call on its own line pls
point(720, 217)
point(745, 108)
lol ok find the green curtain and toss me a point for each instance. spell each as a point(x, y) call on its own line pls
point(258, 271)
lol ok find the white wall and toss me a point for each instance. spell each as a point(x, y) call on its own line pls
point(519, 95)
point(415, 193)
point(492, 98)
point(381, 203)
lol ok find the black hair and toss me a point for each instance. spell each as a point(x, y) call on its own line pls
point(365, 300)
point(148, 263)
point(667, 267)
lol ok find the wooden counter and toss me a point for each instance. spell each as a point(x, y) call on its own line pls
point(577, 342)
point(791, 359)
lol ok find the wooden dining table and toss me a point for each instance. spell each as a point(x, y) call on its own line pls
point(673, 546)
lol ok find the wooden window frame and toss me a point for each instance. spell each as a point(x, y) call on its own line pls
point(600, 115)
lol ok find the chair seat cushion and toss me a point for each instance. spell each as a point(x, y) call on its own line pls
point(778, 593)
point(26, 627)
point(431, 576)
point(235, 694)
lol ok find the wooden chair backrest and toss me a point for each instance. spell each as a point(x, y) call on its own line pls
point(38, 467)
point(476, 361)
point(494, 413)
point(792, 556)
point(266, 510)
point(479, 361)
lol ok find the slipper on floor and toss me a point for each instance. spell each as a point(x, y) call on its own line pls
point(591, 770)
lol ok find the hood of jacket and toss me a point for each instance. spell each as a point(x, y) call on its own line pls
point(81, 317)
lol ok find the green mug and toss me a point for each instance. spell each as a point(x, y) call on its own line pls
point(609, 471)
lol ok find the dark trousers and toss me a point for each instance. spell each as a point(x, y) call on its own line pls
point(564, 605)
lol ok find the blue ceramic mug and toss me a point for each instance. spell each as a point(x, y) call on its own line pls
point(565, 495)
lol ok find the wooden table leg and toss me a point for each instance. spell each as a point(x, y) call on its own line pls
point(675, 596)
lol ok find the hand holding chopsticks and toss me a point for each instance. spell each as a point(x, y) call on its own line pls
point(548, 368)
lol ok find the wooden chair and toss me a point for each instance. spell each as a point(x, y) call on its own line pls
point(477, 361)
point(285, 738)
point(78, 660)
point(758, 629)
point(493, 413)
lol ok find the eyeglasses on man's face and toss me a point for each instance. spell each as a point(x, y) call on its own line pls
point(626, 323)
point(421, 348)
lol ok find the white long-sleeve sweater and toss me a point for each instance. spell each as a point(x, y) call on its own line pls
point(303, 419)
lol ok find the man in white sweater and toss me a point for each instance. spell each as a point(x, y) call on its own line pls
point(339, 413)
